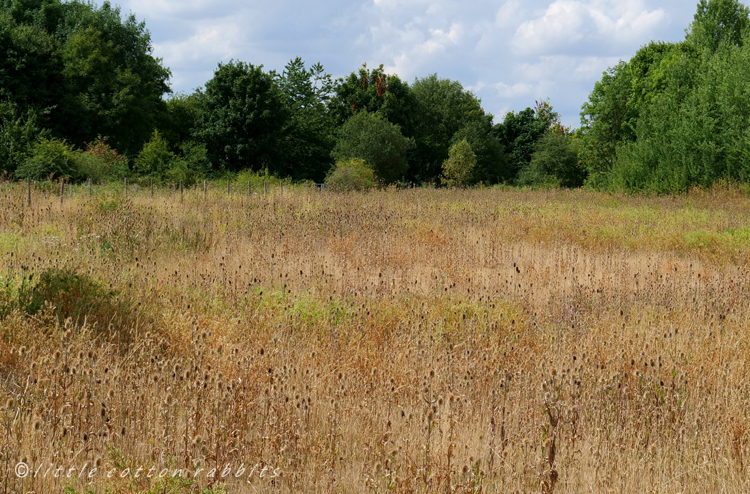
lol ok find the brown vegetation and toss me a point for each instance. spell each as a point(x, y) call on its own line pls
point(406, 341)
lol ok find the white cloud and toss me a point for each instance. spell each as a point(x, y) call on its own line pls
point(509, 52)
point(560, 25)
point(509, 14)
point(211, 43)
point(597, 23)
point(513, 91)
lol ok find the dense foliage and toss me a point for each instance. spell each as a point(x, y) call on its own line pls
point(672, 117)
point(677, 114)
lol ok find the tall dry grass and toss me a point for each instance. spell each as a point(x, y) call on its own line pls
point(393, 341)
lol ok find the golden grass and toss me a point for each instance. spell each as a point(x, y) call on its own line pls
point(406, 341)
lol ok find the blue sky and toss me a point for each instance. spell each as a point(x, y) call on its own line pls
point(508, 52)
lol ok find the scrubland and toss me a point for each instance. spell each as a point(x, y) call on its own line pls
point(404, 341)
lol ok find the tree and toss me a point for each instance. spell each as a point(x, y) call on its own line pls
point(373, 91)
point(677, 114)
point(18, 131)
point(308, 137)
point(491, 160)
point(372, 138)
point(719, 22)
point(100, 162)
point(610, 117)
point(554, 162)
point(353, 174)
point(155, 159)
point(241, 117)
point(92, 70)
point(30, 67)
point(443, 107)
point(519, 133)
point(178, 123)
point(459, 167)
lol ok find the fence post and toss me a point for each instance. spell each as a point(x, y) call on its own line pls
point(29, 183)
point(249, 189)
point(180, 190)
point(62, 189)
point(229, 190)
point(205, 189)
point(265, 188)
point(90, 192)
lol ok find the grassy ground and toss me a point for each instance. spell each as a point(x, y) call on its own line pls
point(406, 341)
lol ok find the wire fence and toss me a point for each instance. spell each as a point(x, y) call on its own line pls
point(62, 189)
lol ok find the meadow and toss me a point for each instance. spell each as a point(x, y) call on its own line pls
point(419, 340)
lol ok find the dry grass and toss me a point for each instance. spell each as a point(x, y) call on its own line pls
point(407, 341)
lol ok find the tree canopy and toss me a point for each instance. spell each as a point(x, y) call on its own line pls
point(241, 117)
point(676, 114)
point(82, 95)
point(89, 69)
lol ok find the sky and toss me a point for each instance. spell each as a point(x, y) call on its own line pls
point(510, 53)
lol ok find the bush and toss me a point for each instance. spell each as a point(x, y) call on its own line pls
point(18, 131)
point(257, 179)
point(459, 167)
point(50, 159)
point(352, 174)
point(372, 138)
point(492, 163)
point(155, 159)
point(100, 162)
point(73, 295)
point(554, 163)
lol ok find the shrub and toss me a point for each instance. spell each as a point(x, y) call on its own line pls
point(351, 174)
point(155, 159)
point(50, 159)
point(74, 295)
point(458, 168)
point(256, 179)
point(492, 163)
point(372, 138)
point(554, 163)
point(18, 131)
point(100, 162)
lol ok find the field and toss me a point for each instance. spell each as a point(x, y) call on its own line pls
point(420, 340)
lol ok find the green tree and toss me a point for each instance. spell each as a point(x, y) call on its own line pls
point(380, 143)
point(693, 134)
point(519, 133)
point(18, 131)
point(101, 162)
point(610, 117)
point(30, 65)
point(178, 123)
point(91, 69)
point(491, 160)
point(374, 91)
point(443, 108)
point(308, 137)
point(155, 159)
point(554, 162)
point(719, 22)
point(677, 114)
point(459, 167)
point(241, 117)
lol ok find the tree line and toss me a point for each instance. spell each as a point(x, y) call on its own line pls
point(82, 97)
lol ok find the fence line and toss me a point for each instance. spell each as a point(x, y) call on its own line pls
point(128, 190)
